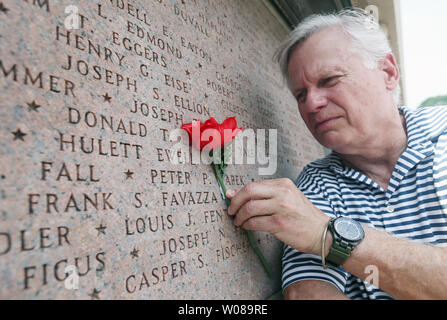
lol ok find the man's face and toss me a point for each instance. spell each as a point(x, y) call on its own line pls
point(343, 103)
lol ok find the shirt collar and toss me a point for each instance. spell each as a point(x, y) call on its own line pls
point(419, 146)
point(417, 139)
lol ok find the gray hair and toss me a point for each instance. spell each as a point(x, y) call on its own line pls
point(368, 38)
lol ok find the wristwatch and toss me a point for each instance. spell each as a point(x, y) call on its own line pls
point(347, 234)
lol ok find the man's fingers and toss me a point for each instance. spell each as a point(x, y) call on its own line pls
point(260, 223)
point(254, 208)
point(264, 189)
point(231, 193)
point(251, 191)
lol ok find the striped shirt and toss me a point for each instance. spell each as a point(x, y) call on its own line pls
point(414, 207)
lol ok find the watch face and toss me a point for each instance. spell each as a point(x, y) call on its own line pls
point(349, 229)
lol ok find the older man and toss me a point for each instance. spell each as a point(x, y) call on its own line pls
point(369, 221)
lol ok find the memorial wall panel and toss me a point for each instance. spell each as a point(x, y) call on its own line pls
point(92, 205)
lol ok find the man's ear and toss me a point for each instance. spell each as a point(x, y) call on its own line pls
point(391, 71)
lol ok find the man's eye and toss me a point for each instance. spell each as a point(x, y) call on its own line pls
point(301, 97)
point(329, 81)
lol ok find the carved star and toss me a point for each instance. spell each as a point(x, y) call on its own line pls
point(206, 96)
point(200, 65)
point(3, 8)
point(101, 229)
point(129, 174)
point(94, 294)
point(187, 72)
point(107, 98)
point(18, 134)
point(134, 253)
point(33, 106)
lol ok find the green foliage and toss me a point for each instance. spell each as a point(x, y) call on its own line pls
point(434, 101)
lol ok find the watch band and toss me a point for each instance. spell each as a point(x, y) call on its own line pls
point(341, 247)
point(338, 253)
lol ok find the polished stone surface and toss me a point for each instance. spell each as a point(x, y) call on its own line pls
point(91, 206)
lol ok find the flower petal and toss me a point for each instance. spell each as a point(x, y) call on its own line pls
point(229, 123)
point(211, 142)
point(211, 123)
point(187, 127)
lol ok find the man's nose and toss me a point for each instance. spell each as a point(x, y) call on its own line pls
point(315, 100)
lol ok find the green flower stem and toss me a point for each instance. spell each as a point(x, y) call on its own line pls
point(259, 253)
point(219, 175)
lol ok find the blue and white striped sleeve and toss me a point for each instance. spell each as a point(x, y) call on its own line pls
point(299, 266)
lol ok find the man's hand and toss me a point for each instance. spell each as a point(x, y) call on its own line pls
point(277, 206)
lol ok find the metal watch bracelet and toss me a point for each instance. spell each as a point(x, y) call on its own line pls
point(323, 242)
